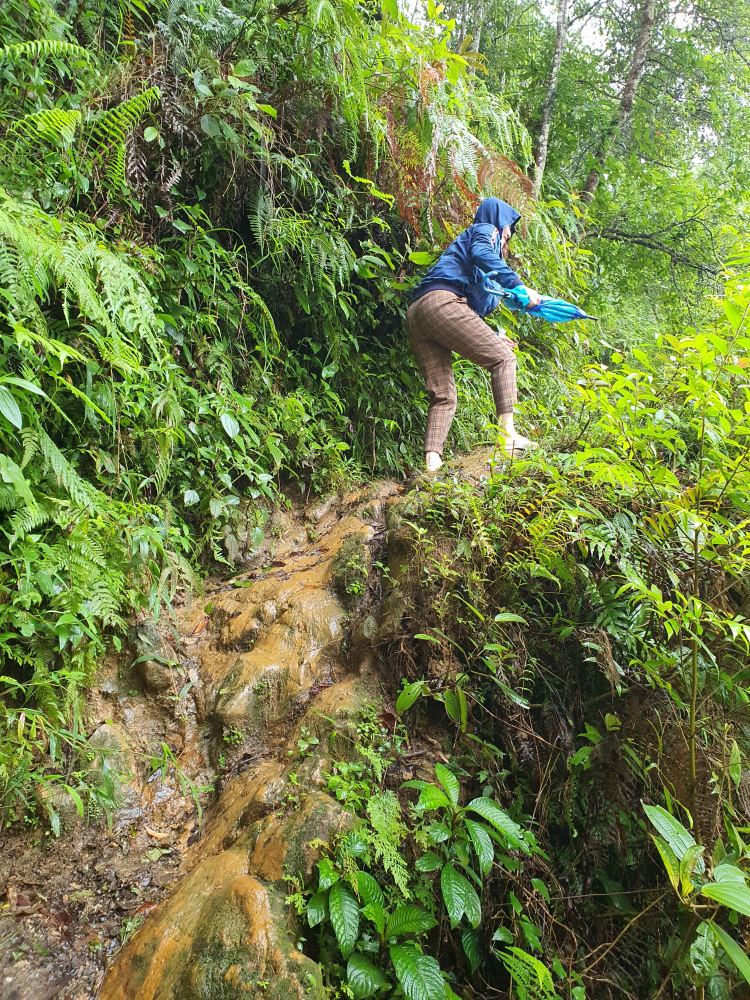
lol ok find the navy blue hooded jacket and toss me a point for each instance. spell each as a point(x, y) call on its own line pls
point(477, 250)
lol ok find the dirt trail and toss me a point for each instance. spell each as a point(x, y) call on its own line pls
point(162, 906)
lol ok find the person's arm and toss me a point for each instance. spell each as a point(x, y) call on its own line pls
point(485, 256)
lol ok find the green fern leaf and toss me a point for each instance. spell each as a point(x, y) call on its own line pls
point(43, 47)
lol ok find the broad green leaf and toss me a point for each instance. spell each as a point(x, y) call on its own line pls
point(408, 696)
point(449, 782)
point(369, 890)
point(429, 862)
point(731, 894)
point(460, 897)
point(472, 942)
point(482, 842)
point(76, 798)
point(230, 425)
point(150, 133)
point(733, 950)
point(581, 757)
point(473, 906)
point(438, 832)
point(210, 126)
point(503, 934)
point(390, 7)
point(54, 820)
point(23, 383)
point(422, 258)
point(191, 497)
point(11, 473)
point(317, 907)
point(703, 953)
point(734, 313)
point(344, 912)
point(678, 838)
point(454, 887)
point(326, 874)
point(408, 919)
point(419, 975)
point(432, 798)
point(364, 977)
point(452, 705)
point(541, 888)
point(9, 408)
point(687, 867)
point(671, 864)
point(376, 913)
point(735, 764)
point(502, 822)
point(245, 67)
point(729, 873)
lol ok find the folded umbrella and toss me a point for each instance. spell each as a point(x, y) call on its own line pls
point(517, 299)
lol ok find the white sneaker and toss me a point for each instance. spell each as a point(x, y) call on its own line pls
point(516, 445)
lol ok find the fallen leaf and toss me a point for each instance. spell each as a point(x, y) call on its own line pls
point(201, 626)
point(389, 720)
point(146, 908)
point(26, 911)
point(153, 833)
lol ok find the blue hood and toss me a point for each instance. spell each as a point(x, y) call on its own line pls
point(497, 213)
point(477, 251)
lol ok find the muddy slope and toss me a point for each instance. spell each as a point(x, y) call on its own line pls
point(162, 906)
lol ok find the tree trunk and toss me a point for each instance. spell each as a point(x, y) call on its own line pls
point(549, 100)
point(462, 22)
point(476, 27)
point(626, 98)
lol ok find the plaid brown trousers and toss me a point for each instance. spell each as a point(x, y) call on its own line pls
point(439, 323)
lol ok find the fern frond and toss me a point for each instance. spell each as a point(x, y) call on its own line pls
point(79, 491)
point(37, 255)
point(45, 47)
point(52, 125)
point(30, 438)
point(387, 833)
point(29, 519)
point(115, 125)
point(9, 499)
point(533, 980)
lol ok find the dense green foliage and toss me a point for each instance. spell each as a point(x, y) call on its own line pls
point(210, 219)
point(598, 596)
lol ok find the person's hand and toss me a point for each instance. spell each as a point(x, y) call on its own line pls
point(534, 297)
point(511, 343)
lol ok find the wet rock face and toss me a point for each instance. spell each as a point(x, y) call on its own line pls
point(267, 656)
point(272, 636)
point(223, 934)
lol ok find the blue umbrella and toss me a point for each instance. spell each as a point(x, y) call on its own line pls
point(553, 310)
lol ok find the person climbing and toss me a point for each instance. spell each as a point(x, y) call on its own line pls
point(447, 314)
